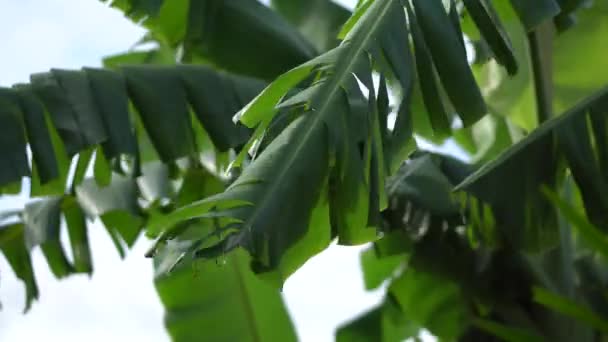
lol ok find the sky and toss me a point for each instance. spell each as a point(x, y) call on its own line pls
point(118, 303)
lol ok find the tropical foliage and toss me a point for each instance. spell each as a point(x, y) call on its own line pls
point(250, 137)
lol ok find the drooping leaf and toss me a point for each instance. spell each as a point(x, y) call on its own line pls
point(350, 23)
point(138, 9)
point(82, 166)
point(377, 269)
point(263, 222)
point(421, 182)
point(427, 77)
point(296, 163)
point(575, 142)
point(50, 160)
point(507, 333)
point(262, 35)
point(384, 322)
point(116, 206)
point(224, 95)
point(68, 102)
point(110, 94)
point(12, 143)
point(533, 151)
point(587, 231)
point(513, 96)
point(12, 245)
point(42, 223)
point(207, 32)
point(431, 302)
point(318, 20)
point(154, 183)
point(454, 72)
point(38, 136)
point(490, 27)
point(161, 102)
point(569, 308)
point(77, 232)
point(229, 304)
point(101, 169)
point(153, 56)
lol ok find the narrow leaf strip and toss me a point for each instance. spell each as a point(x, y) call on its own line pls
point(569, 308)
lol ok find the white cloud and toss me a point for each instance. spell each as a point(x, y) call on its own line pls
point(40, 34)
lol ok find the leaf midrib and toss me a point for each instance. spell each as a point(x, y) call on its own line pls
point(245, 301)
point(323, 108)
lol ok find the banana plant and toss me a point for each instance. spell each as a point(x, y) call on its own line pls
point(251, 137)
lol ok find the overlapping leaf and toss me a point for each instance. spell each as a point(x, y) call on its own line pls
point(90, 108)
point(41, 224)
point(519, 203)
point(97, 101)
point(318, 20)
point(221, 32)
point(221, 302)
point(322, 141)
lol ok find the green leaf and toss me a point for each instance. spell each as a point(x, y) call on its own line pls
point(296, 164)
point(598, 116)
point(14, 164)
point(215, 97)
point(587, 231)
point(12, 245)
point(262, 108)
point(427, 78)
point(42, 223)
point(507, 333)
point(354, 18)
point(77, 92)
point(569, 308)
point(575, 141)
point(396, 49)
point(572, 82)
point(156, 91)
point(168, 21)
point(77, 232)
point(45, 164)
point(263, 224)
point(116, 206)
point(318, 20)
point(518, 201)
point(401, 141)
point(154, 56)
point(154, 183)
point(421, 182)
point(196, 209)
point(67, 98)
point(350, 197)
point(486, 18)
point(198, 183)
point(442, 40)
point(533, 13)
point(206, 31)
point(101, 169)
point(377, 269)
point(392, 244)
point(82, 166)
point(261, 35)
point(110, 94)
point(432, 302)
point(138, 9)
point(384, 323)
point(243, 307)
